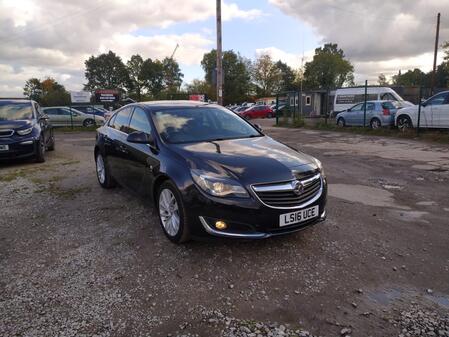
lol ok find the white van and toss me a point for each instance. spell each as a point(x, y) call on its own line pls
point(346, 98)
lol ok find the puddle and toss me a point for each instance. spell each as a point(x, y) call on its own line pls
point(392, 187)
point(366, 195)
point(409, 215)
point(426, 203)
point(389, 296)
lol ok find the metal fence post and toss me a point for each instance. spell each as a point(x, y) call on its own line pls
point(419, 111)
point(277, 110)
point(364, 105)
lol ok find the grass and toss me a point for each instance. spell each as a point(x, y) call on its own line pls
point(426, 135)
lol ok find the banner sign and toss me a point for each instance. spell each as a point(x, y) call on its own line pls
point(199, 98)
point(80, 96)
point(107, 95)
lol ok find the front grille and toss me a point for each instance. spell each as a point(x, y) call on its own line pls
point(282, 195)
point(6, 133)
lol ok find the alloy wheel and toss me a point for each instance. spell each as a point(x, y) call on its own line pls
point(169, 212)
point(101, 172)
point(375, 124)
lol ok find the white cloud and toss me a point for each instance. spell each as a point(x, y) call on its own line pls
point(293, 60)
point(53, 37)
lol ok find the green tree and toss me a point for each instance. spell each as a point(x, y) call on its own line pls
point(267, 76)
point(172, 75)
point(288, 77)
point(106, 71)
point(199, 87)
point(136, 82)
point(382, 80)
point(328, 69)
point(236, 76)
point(33, 89)
point(152, 74)
point(413, 77)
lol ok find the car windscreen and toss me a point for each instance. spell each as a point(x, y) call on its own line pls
point(200, 124)
point(15, 111)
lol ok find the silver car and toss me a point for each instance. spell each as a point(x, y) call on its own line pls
point(378, 114)
point(64, 116)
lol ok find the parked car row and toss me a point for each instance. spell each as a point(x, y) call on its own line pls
point(434, 114)
point(65, 116)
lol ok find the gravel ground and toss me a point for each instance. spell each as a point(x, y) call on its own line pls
point(76, 260)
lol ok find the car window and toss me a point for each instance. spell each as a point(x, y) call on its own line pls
point(357, 107)
point(439, 99)
point(369, 106)
point(387, 97)
point(388, 105)
point(200, 124)
point(139, 121)
point(51, 111)
point(64, 112)
point(121, 120)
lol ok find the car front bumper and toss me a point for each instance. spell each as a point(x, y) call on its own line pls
point(245, 218)
point(18, 148)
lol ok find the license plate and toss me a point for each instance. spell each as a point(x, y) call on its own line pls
point(296, 217)
point(4, 147)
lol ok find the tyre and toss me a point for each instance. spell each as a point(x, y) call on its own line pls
point(375, 123)
point(40, 151)
point(51, 146)
point(404, 123)
point(171, 212)
point(88, 122)
point(103, 172)
point(341, 122)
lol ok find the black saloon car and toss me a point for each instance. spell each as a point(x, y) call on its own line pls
point(209, 172)
point(24, 130)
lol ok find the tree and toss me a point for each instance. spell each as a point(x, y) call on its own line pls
point(172, 75)
point(106, 71)
point(33, 89)
point(288, 77)
point(267, 76)
point(383, 80)
point(236, 75)
point(47, 92)
point(413, 77)
point(136, 82)
point(153, 76)
point(199, 87)
point(328, 69)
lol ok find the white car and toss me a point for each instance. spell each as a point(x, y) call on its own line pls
point(434, 113)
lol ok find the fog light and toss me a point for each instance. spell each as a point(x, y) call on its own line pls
point(221, 225)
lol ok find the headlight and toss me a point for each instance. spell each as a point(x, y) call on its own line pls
point(25, 131)
point(320, 167)
point(218, 186)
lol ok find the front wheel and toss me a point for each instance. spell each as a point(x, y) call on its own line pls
point(103, 174)
point(40, 151)
point(172, 215)
point(341, 122)
point(404, 123)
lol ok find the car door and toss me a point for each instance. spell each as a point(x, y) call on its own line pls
point(352, 113)
point(369, 114)
point(43, 122)
point(116, 151)
point(142, 158)
point(53, 115)
point(440, 111)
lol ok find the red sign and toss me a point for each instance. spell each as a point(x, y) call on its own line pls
point(199, 98)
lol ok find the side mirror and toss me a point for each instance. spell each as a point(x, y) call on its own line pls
point(139, 137)
point(44, 117)
point(423, 102)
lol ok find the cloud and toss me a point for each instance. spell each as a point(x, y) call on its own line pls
point(53, 37)
point(293, 60)
point(372, 29)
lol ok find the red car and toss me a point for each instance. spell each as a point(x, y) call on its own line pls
point(258, 111)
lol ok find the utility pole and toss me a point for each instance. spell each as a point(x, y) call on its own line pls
point(437, 37)
point(219, 56)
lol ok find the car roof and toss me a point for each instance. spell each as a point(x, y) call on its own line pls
point(16, 100)
point(184, 103)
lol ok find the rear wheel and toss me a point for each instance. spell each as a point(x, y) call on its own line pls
point(88, 122)
point(172, 215)
point(375, 123)
point(341, 122)
point(103, 173)
point(404, 123)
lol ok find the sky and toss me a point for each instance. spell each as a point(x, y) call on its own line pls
point(41, 38)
